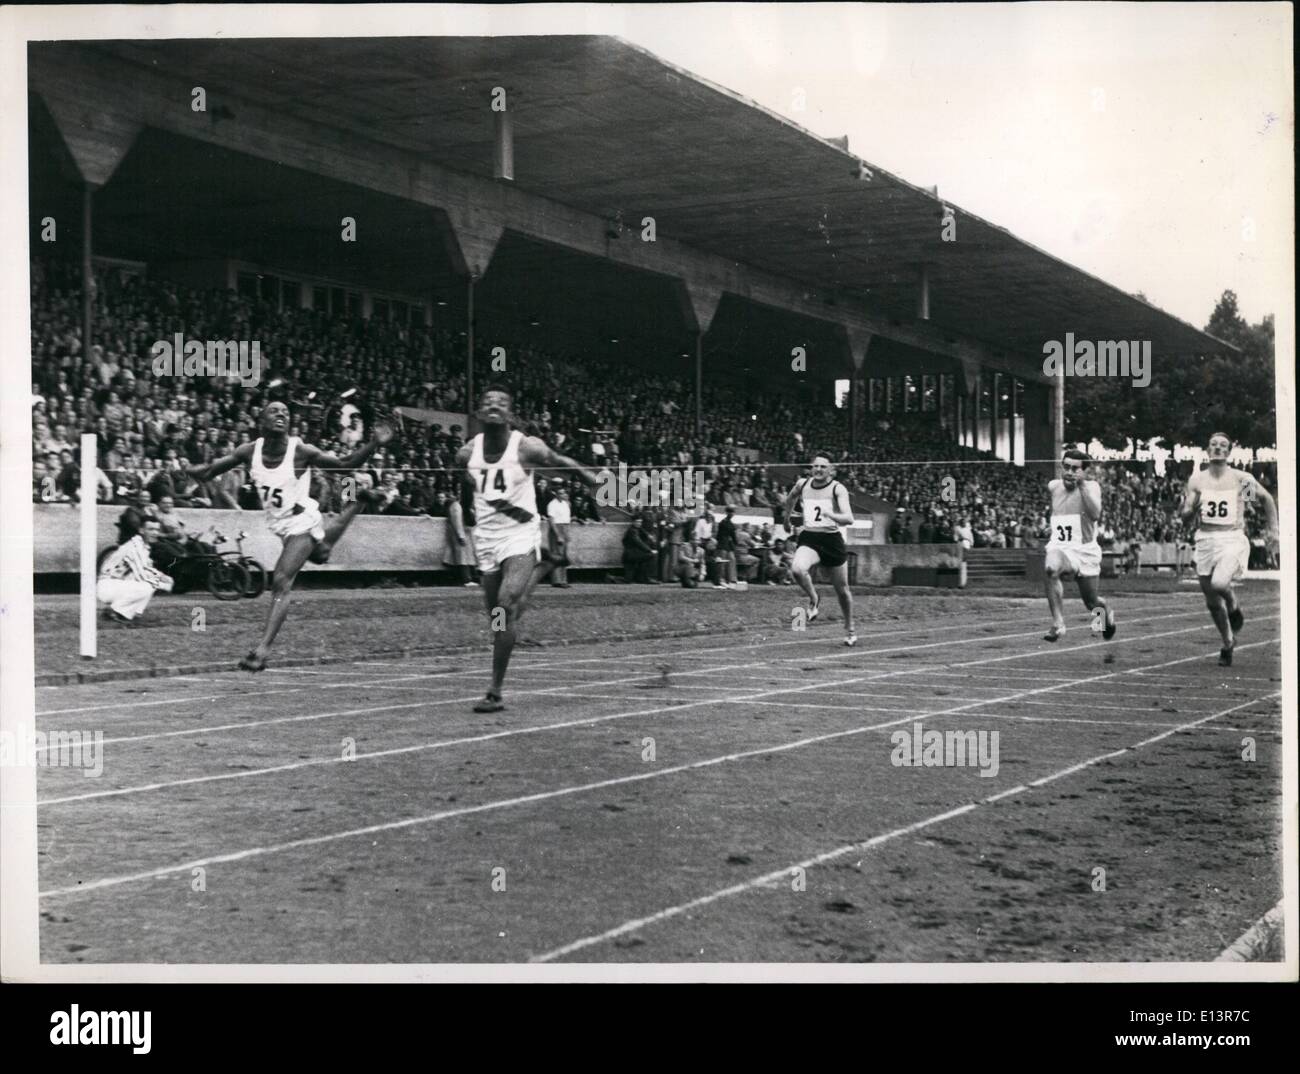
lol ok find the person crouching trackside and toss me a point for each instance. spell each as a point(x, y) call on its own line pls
point(128, 579)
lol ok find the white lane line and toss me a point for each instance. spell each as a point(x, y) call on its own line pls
point(433, 675)
point(1252, 944)
point(525, 730)
point(562, 791)
point(561, 662)
point(780, 875)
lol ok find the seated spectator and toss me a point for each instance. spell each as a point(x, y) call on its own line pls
point(747, 563)
point(776, 564)
point(690, 564)
point(640, 552)
point(963, 534)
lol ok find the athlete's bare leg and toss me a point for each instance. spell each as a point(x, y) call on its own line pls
point(805, 559)
point(505, 592)
point(296, 551)
point(840, 580)
point(1055, 567)
point(1094, 601)
point(1218, 589)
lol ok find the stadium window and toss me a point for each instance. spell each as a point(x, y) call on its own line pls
point(417, 314)
point(246, 282)
point(270, 289)
point(354, 304)
point(401, 312)
point(337, 307)
point(379, 309)
point(841, 393)
point(320, 299)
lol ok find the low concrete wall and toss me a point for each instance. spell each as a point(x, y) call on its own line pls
point(876, 562)
point(383, 544)
point(372, 542)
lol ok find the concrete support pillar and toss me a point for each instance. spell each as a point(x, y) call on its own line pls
point(87, 271)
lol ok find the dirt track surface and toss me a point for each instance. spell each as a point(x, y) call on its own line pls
point(747, 806)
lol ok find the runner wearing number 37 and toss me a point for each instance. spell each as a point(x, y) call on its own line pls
point(1072, 549)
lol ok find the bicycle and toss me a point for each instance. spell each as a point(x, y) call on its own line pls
point(258, 576)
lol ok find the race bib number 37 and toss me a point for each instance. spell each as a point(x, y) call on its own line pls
point(1067, 529)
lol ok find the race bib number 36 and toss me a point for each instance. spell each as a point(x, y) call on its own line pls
point(1067, 529)
point(1219, 507)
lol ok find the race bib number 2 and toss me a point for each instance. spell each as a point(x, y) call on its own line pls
point(1067, 529)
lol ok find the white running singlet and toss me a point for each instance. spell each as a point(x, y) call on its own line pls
point(284, 494)
point(817, 504)
point(504, 496)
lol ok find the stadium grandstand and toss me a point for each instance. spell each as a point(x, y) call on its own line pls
point(663, 272)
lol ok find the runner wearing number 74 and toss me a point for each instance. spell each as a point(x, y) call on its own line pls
point(1072, 549)
point(1218, 495)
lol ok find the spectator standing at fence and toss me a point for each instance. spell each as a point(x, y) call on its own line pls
point(558, 517)
point(459, 555)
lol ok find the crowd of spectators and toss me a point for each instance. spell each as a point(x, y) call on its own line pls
point(602, 413)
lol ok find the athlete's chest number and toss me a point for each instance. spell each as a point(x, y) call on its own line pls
point(817, 512)
point(1065, 534)
point(272, 497)
point(498, 478)
point(1214, 509)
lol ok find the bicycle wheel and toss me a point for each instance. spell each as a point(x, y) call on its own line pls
point(257, 577)
point(227, 579)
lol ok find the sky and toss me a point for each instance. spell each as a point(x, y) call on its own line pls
point(1148, 144)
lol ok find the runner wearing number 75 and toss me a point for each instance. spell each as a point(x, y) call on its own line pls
point(1072, 549)
point(280, 466)
point(1218, 495)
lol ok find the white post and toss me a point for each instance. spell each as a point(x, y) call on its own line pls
point(89, 535)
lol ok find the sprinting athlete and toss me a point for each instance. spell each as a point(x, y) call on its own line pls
point(279, 465)
point(1218, 494)
point(1072, 548)
point(507, 532)
point(820, 504)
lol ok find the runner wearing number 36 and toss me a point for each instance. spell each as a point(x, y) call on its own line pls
point(1072, 549)
point(1218, 496)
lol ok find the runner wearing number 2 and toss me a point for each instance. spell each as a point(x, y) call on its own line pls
point(1072, 548)
point(1218, 496)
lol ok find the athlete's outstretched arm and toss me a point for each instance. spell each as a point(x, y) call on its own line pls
point(845, 517)
point(536, 453)
point(241, 456)
point(1090, 493)
point(792, 497)
point(1191, 500)
point(324, 460)
point(460, 468)
point(1262, 494)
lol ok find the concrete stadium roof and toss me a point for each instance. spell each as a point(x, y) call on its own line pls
point(606, 127)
